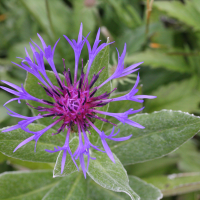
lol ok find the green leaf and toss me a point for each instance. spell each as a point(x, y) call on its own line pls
point(144, 190)
point(109, 175)
point(170, 62)
point(34, 89)
point(70, 167)
point(187, 13)
point(4, 98)
point(56, 26)
point(40, 185)
point(189, 157)
point(39, 11)
point(182, 95)
point(18, 108)
point(153, 167)
point(164, 132)
point(20, 164)
point(84, 14)
point(26, 185)
point(2, 157)
point(100, 61)
point(164, 37)
point(190, 196)
point(126, 13)
point(136, 39)
point(176, 183)
point(72, 187)
point(18, 49)
point(154, 78)
point(196, 4)
point(10, 140)
point(5, 72)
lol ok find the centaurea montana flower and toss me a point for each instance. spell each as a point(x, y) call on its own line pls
point(74, 103)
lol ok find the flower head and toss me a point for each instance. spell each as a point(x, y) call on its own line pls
point(75, 103)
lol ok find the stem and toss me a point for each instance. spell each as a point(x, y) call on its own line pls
point(49, 17)
point(148, 14)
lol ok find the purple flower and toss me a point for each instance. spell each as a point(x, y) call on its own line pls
point(75, 103)
point(131, 95)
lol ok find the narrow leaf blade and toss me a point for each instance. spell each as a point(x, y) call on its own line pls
point(176, 183)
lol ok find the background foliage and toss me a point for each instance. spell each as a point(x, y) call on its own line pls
point(163, 34)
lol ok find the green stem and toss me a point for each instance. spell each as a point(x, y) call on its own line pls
point(148, 14)
point(49, 18)
point(62, 54)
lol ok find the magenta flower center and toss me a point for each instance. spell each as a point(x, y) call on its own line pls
point(74, 107)
point(74, 104)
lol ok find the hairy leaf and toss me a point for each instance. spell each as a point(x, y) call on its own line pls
point(109, 175)
point(41, 185)
point(144, 190)
point(10, 140)
point(26, 185)
point(164, 132)
point(72, 187)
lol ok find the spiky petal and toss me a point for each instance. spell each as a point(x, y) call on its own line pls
point(74, 104)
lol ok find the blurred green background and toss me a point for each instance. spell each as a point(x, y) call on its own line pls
point(163, 34)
